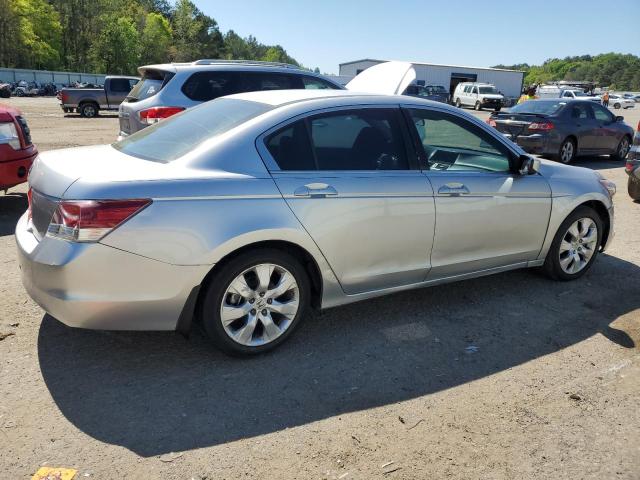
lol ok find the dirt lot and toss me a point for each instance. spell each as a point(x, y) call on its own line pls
point(503, 377)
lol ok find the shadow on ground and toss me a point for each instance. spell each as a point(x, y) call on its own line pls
point(12, 206)
point(158, 392)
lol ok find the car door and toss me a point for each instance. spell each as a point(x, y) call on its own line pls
point(607, 135)
point(347, 176)
point(581, 122)
point(486, 215)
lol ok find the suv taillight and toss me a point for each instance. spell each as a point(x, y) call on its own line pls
point(91, 220)
point(155, 114)
point(542, 126)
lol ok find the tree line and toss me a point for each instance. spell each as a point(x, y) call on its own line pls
point(614, 70)
point(117, 36)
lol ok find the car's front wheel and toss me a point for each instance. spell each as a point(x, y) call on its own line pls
point(478, 106)
point(622, 150)
point(458, 104)
point(575, 246)
point(255, 302)
point(616, 106)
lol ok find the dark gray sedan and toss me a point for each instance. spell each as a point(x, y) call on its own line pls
point(564, 129)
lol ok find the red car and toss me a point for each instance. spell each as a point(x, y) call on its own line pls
point(16, 150)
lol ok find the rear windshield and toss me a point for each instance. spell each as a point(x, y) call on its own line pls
point(533, 106)
point(175, 137)
point(151, 83)
point(438, 89)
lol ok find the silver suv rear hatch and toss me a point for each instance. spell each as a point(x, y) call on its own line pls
point(153, 80)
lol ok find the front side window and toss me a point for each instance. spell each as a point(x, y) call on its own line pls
point(475, 90)
point(602, 114)
point(367, 139)
point(453, 144)
point(581, 111)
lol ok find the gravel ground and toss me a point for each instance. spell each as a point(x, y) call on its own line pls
point(502, 377)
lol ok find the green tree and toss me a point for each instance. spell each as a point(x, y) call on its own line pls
point(156, 39)
point(116, 50)
point(195, 34)
point(39, 33)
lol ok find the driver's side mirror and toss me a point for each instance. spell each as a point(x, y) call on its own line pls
point(619, 118)
point(528, 165)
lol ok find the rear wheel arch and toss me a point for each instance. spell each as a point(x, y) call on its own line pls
point(307, 261)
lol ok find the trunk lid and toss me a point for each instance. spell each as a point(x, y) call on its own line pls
point(515, 124)
point(389, 78)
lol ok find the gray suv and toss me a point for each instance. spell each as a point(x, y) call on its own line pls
point(169, 88)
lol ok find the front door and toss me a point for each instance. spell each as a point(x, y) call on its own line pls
point(347, 177)
point(608, 136)
point(486, 215)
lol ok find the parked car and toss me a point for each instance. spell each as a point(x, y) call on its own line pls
point(26, 89)
point(437, 93)
point(171, 88)
point(632, 167)
point(478, 96)
point(89, 101)
point(16, 149)
point(246, 210)
point(553, 91)
point(563, 129)
point(5, 90)
point(618, 101)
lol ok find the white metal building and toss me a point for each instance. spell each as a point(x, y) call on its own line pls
point(509, 82)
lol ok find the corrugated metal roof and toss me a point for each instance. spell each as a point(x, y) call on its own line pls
point(432, 65)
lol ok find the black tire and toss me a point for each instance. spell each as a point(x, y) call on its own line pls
point(19, 93)
point(566, 158)
point(477, 106)
point(88, 110)
point(616, 106)
point(622, 150)
point(497, 109)
point(458, 103)
point(552, 263)
point(633, 187)
point(215, 290)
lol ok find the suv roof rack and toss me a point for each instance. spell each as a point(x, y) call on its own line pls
point(207, 61)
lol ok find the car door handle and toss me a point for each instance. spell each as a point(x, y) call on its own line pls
point(453, 189)
point(317, 190)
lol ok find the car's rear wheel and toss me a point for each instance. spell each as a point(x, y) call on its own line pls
point(567, 151)
point(88, 110)
point(575, 246)
point(622, 150)
point(19, 93)
point(458, 104)
point(633, 187)
point(477, 106)
point(255, 302)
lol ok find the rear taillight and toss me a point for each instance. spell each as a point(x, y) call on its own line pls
point(491, 122)
point(90, 220)
point(155, 114)
point(542, 126)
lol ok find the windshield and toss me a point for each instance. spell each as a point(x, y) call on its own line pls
point(175, 137)
point(488, 90)
point(533, 106)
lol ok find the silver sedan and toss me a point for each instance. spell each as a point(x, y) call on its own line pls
point(243, 212)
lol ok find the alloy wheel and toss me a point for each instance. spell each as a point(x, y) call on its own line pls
point(260, 304)
point(578, 245)
point(566, 152)
point(623, 148)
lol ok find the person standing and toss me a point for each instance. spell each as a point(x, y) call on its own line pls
point(529, 95)
point(605, 99)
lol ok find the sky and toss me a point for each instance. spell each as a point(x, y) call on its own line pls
point(325, 33)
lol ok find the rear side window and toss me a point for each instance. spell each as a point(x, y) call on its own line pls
point(313, 83)
point(205, 86)
point(151, 83)
point(367, 139)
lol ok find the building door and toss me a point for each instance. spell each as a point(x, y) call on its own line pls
point(457, 78)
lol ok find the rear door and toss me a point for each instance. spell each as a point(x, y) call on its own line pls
point(486, 215)
point(347, 176)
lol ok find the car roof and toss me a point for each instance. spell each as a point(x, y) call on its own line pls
point(278, 98)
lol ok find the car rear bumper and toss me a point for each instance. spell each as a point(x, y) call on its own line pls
point(15, 172)
point(91, 285)
point(536, 144)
